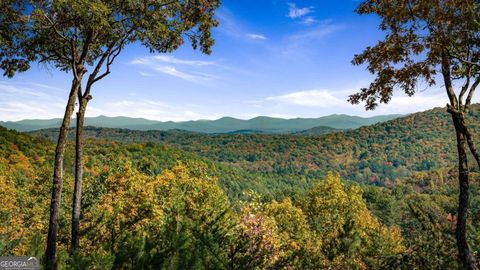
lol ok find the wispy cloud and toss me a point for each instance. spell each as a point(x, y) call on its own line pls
point(335, 101)
point(230, 26)
point(18, 101)
point(146, 74)
point(184, 69)
point(325, 27)
point(256, 36)
point(310, 98)
point(296, 12)
point(192, 76)
point(302, 15)
point(149, 109)
point(170, 60)
point(309, 20)
point(299, 44)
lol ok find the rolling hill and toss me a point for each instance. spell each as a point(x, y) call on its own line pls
point(260, 124)
point(378, 154)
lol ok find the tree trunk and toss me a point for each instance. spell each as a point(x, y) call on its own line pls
point(77, 193)
point(50, 256)
point(464, 254)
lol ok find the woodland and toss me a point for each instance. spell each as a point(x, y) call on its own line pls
point(401, 194)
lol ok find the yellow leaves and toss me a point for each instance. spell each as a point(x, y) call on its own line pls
point(340, 217)
point(11, 219)
point(292, 222)
point(18, 163)
point(7, 202)
point(149, 206)
point(129, 204)
point(21, 208)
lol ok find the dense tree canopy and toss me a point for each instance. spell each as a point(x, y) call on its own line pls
point(145, 202)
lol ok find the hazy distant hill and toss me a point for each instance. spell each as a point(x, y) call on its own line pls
point(380, 153)
point(260, 124)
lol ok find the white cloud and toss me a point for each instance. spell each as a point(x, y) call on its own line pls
point(18, 101)
point(192, 77)
point(324, 102)
point(188, 70)
point(149, 109)
point(256, 36)
point(170, 60)
point(310, 98)
point(230, 26)
point(295, 12)
point(400, 103)
point(150, 60)
point(302, 14)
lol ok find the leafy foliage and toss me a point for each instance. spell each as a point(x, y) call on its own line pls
point(177, 216)
point(404, 149)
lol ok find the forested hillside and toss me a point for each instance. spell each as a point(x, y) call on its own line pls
point(212, 204)
point(140, 197)
point(259, 124)
point(408, 148)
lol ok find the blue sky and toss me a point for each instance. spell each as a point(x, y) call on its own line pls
point(272, 57)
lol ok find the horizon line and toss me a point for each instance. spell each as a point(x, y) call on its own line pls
point(203, 119)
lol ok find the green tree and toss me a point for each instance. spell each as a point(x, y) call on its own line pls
point(175, 220)
point(298, 243)
point(78, 35)
point(351, 237)
point(424, 38)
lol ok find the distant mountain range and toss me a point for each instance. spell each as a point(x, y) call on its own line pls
point(259, 124)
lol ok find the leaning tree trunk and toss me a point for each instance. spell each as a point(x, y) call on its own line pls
point(53, 225)
point(464, 254)
point(77, 193)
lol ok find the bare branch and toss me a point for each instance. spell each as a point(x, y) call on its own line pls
point(472, 91)
point(471, 146)
point(93, 75)
point(464, 90)
point(110, 55)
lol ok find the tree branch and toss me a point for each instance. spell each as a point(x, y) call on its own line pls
point(471, 92)
point(464, 61)
point(86, 46)
point(110, 56)
point(70, 41)
point(93, 75)
point(464, 90)
point(52, 25)
point(448, 80)
point(471, 145)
